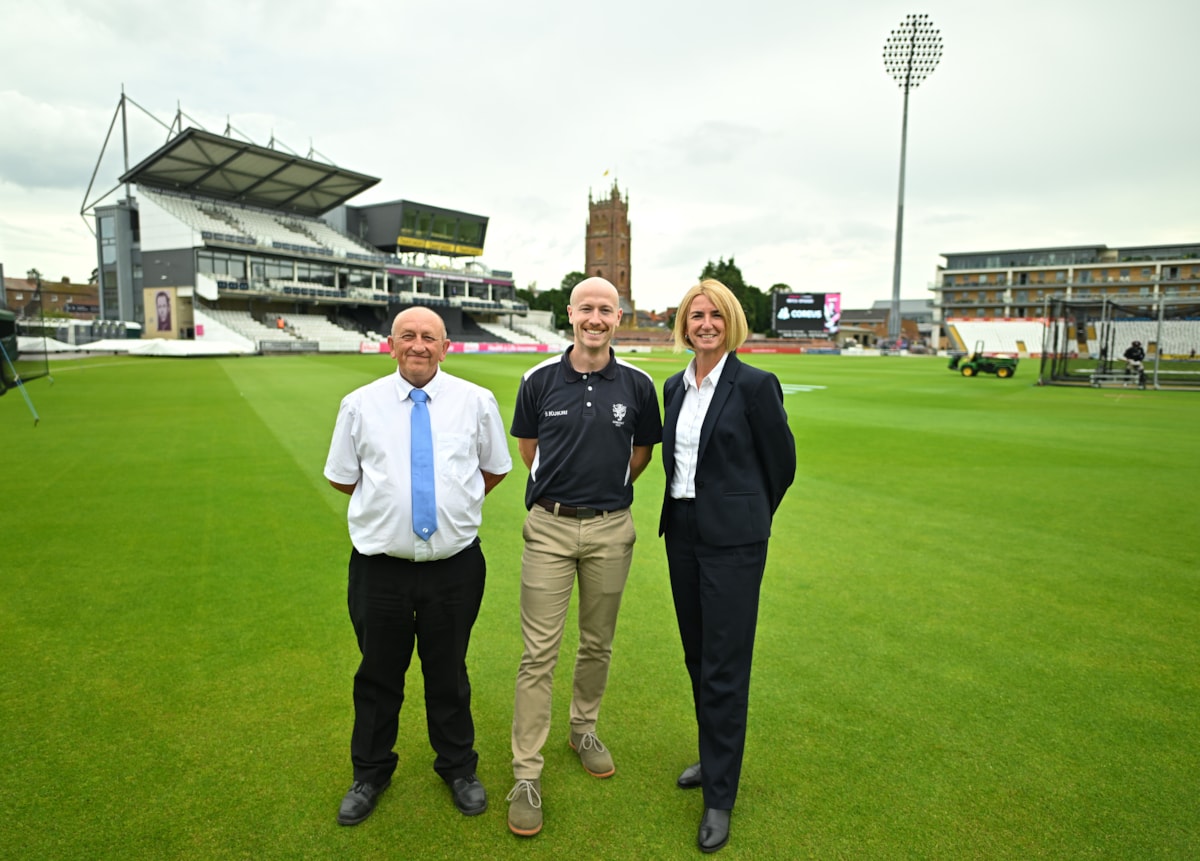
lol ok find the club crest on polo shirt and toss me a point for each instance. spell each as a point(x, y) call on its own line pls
point(619, 411)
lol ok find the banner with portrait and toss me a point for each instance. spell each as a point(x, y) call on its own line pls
point(162, 312)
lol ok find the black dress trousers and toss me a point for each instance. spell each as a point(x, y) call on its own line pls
point(715, 590)
point(393, 604)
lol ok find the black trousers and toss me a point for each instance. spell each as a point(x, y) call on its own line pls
point(394, 603)
point(716, 591)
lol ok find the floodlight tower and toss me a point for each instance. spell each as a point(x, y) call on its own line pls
point(910, 55)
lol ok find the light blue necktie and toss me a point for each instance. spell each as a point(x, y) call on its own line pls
point(424, 498)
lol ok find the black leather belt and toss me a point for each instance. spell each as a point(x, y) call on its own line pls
point(567, 510)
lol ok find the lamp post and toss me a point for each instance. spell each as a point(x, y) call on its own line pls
point(910, 55)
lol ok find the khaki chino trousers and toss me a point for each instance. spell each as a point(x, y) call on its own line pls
point(599, 551)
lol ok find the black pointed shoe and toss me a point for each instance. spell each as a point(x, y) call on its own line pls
point(714, 830)
point(690, 779)
point(359, 801)
point(469, 795)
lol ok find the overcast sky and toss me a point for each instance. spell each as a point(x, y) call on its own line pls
point(765, 131)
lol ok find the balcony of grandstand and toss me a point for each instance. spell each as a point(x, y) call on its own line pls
point(309, 289)
point(226, 221)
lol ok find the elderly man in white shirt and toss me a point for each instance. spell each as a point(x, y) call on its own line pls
point(417, 451)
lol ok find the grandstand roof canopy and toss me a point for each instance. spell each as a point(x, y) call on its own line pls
point(211, 165)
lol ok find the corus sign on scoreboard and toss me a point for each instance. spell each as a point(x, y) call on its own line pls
point(807, 315)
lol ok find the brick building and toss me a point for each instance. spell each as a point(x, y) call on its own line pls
point(607, 247)
point(1019, 283)
point(59, 298)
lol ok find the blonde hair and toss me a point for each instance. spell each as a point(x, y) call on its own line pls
point(736, 328)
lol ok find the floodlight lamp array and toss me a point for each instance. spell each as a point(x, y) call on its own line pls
point(912, 51)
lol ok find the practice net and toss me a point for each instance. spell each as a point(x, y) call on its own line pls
point(1086, 341)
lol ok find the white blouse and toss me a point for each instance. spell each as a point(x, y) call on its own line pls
point(687, 429)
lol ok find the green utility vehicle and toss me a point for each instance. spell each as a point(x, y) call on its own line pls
point(975, 363)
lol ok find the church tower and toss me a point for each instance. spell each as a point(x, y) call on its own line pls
point(607, 247)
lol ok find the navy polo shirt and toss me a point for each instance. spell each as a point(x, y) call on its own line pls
point(586, 426)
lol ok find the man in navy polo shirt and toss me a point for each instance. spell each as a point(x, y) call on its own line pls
point(586, 424)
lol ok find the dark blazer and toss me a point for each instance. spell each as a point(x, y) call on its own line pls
point(747, 456)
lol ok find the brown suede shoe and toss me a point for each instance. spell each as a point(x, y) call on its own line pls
point(525, 808)
point(596, 759)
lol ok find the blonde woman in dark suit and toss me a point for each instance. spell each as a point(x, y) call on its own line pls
point(729, 456)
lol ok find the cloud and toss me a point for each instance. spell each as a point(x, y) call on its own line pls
point(47, 146)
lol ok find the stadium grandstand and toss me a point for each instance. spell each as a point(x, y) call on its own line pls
point(222, 245)
point(1076, 309)
point(1082, 341)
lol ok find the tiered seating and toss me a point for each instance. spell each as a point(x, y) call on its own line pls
point(472, 332)
point(358, 318)
point(1000, 336)
point(330, 337)
point(321, 232)
point(270, 232)
point(541, 334)
point(246, 326)
point(505, 334)
point(202, 217)
point(215, 330)
point(1178, 337)
point(238, 223)
point(1190, 332)
point(1125, 332)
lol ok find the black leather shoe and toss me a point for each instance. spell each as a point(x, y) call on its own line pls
point(690, 779)
point(469, 795)
point(359, 802)
point(714, 830)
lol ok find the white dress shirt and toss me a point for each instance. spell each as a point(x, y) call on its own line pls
point(687, 429)
point(370, 449)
